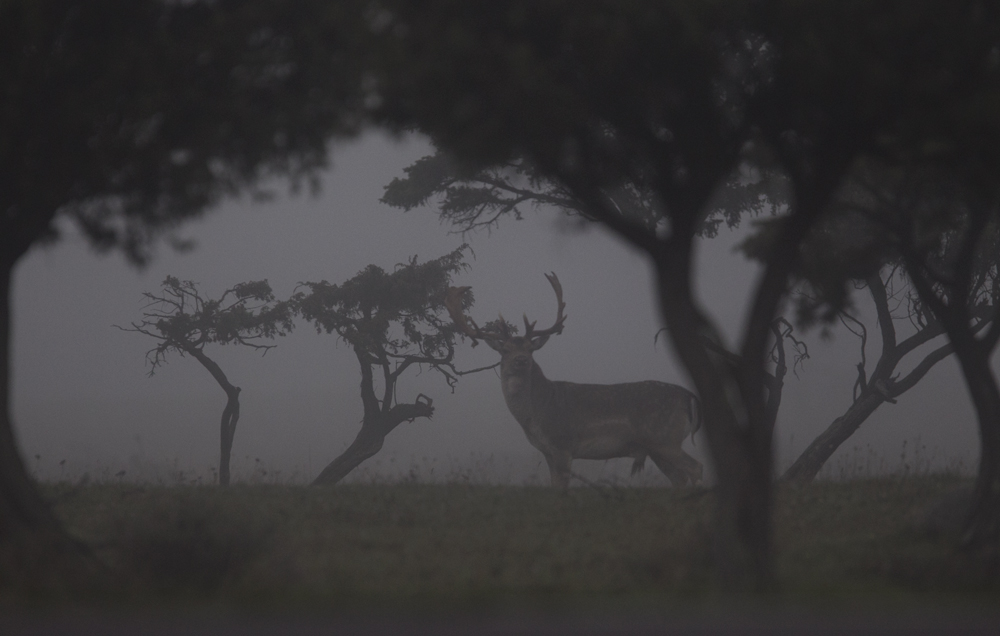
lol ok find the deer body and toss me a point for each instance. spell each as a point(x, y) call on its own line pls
point(567, 421)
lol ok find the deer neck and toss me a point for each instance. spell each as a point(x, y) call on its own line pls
point(522, 392)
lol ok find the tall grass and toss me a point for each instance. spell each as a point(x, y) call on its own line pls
point(914, 458)
point(476, 468)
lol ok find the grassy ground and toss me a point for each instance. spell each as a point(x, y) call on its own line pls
point(448, 547)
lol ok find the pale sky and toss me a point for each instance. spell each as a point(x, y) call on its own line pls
point(81, 393)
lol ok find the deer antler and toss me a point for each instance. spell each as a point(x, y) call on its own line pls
point(557, 326)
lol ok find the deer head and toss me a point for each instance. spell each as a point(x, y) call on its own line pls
point(515, 351)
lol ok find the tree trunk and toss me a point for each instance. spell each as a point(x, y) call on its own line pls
point(379, 420)
point(812, 459)
point(881, 388)
point(743, 492)
point(36, 555)
point(365, 445)
point(369, 441)
point(230, 414)
point(227, 429)
point(982, 529)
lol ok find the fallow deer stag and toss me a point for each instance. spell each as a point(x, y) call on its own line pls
point(568, 421)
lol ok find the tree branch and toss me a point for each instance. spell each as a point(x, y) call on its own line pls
point(877, 289)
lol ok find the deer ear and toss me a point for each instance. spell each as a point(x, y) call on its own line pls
point(496, 345)
point(538, 343)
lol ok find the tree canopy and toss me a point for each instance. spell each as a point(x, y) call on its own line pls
point(470, 199)
point(184, 321)
point(130, 116)
point(390, 316)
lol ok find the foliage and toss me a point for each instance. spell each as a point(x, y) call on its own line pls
point(943, 223)
point(184, 321)
point(878, 215)
point(396, 316)
point(471, 199)
point(129, 116)
point(624, 78)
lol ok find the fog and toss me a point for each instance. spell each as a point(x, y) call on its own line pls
point(83, 403)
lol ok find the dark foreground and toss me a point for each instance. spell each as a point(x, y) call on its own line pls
point(87, 625)
point(864, 557)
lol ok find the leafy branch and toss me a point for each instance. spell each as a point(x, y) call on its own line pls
point(183, 320)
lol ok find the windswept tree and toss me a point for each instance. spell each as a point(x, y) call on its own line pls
point(392, 321)
point(185, 322)
point(895, 301)
point(126, 117)
point(940, 216)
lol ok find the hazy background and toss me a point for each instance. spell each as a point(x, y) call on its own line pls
point(81, 392)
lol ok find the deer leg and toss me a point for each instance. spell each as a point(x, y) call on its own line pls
point(665, 462)
point(677, 465)
point(692, 467)
point(683, 462)
point(559, 468)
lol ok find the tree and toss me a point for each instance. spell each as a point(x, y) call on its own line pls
point(128, 117)
point(185, 322)
point(945, 280)
point(940, 216)
point(841, 255)
point(392, 321)
point(882, 384)
point(671, 97)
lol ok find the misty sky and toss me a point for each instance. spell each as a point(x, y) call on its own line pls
point(81, 391)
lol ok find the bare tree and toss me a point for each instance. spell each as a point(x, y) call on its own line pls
point(185, 322)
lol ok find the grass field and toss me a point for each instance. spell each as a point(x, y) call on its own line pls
point(472, 547)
